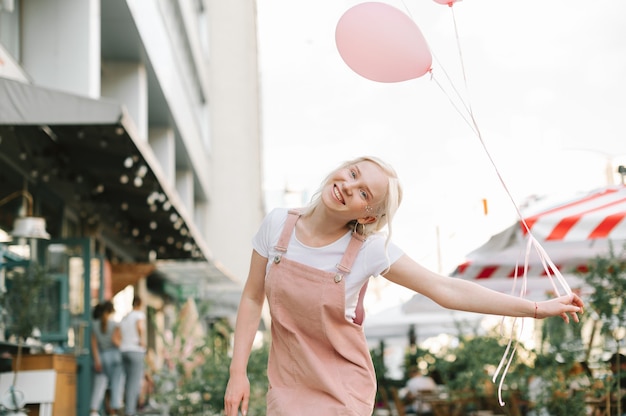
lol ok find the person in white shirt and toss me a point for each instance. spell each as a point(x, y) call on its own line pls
point(416, 385)
point(133, 350)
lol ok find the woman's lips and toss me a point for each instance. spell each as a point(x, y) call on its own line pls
point(338, 194)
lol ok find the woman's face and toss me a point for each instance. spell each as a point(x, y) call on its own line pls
point(356, 190)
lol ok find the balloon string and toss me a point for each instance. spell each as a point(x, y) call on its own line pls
point(508, 355)
point(447, 76)
point(507, 358)
point(549, 267)
point(454, 105)
point(461, 60)
point(468, 108)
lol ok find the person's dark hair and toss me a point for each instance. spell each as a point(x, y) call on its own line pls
point(136, 301)
point(96, 313)
point(107, 308)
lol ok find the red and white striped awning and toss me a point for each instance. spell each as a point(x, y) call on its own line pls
point(571, 233)
point(599, 215)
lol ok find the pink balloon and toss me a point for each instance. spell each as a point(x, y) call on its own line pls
point(448, 2)
point(380, 43)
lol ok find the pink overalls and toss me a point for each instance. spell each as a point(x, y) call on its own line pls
point(319, 362)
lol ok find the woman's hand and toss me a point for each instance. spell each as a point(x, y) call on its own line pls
point(237, 392)
point(562, 306)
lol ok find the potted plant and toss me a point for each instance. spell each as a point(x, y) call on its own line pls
point(24, 309)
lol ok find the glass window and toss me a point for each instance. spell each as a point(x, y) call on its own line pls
point(10, 27)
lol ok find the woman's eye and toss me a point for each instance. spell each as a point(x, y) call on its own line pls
point(364, 194)
point(353, 174)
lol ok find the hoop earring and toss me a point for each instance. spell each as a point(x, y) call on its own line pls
point(356, 228)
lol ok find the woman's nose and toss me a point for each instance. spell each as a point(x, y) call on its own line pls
point(346, 188)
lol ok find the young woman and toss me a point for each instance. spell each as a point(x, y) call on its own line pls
point(312, 265)
point(107, 359)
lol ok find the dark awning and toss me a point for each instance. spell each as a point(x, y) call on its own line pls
point(86, 153)
point(26, 104)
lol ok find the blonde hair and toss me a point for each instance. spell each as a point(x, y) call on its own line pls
point(384, 212)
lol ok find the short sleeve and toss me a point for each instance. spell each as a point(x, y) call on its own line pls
point(267, 233)
point(378, 256)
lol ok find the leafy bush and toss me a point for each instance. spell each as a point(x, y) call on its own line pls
point(24, 304)
point(193, 380)
point(607, 276)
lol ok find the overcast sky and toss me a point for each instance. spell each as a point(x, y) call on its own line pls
point(546, 81)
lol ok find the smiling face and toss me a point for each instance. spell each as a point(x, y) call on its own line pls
point(356, 191)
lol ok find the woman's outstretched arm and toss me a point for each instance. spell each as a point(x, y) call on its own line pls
point(454, 293)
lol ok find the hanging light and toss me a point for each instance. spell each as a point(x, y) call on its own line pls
point(27, 226)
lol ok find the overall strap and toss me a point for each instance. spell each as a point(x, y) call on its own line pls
point(285, 236)
point(345, 266)
point(350, 254)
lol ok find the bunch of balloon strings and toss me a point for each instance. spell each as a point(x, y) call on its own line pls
point(383, 44)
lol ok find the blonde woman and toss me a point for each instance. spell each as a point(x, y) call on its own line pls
point(312, 265)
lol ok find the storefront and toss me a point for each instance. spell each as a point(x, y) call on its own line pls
point(104, 210)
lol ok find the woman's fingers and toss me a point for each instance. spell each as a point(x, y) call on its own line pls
point(575, 304)
point(231, 408)
point(234, 397)
point(244, 405)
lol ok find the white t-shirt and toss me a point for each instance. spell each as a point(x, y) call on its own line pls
point(128, 328)
point(371, 260)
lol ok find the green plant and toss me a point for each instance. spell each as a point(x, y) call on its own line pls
point(466, 366)
point(24, 308)
point(24, 303)
point(193, 380)
point(607, 277)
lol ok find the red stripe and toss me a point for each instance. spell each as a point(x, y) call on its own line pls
point(552, 271)
point(492, 271)
point(530, 221)
point(607, 225)
point(520, 272)
point(562, 228)
point(487, 272)
point(462, 267)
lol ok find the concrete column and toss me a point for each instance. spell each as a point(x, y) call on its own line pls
point(127, 83)
point(163, 145)
point(184, 187)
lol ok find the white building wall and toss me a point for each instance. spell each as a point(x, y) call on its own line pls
point(61, 44)
point(207, 73)
point(235, 128)
point(223, 94)
point(151, 19)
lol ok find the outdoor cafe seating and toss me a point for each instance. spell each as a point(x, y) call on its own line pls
point(442, 403)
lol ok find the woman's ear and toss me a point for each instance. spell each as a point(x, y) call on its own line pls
point(366, 220)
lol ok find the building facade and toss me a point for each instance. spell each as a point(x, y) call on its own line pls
point(132, 128)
